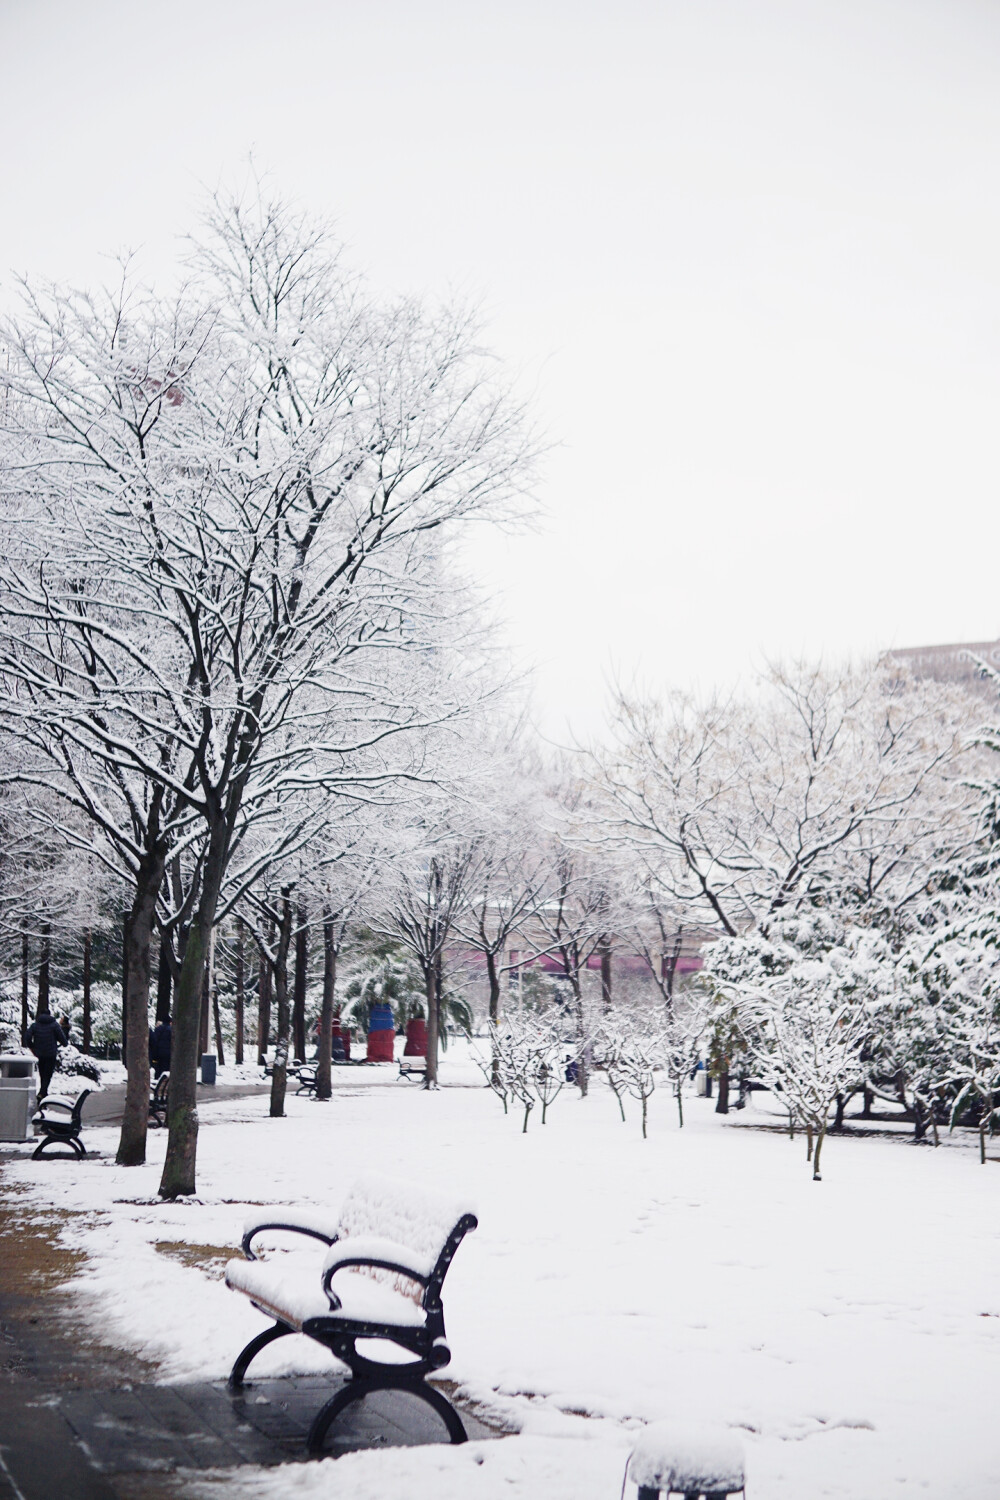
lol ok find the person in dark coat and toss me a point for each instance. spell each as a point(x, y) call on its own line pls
point(44, 1037)
point(159, 1049)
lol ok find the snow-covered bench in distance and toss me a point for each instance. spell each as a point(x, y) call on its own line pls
point(60, 1129)
point(389, 1251)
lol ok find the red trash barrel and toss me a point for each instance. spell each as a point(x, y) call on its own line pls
point(380, 1046)
point(416, 1038)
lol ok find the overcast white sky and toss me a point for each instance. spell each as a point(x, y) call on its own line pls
point(744, 253)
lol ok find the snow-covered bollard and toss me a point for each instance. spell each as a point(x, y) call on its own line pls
point(696, 1462)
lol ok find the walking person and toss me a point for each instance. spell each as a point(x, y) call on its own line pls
point(159, 1049)
point(44, 1037)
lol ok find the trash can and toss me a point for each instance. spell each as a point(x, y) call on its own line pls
point(18, 1097)
point(208, 1066)
point(381, 1034)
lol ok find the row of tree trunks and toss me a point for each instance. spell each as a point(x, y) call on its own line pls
point(299, 993)
point(25, 956)
point(279, 1074)
point(240, 997)
point(88, 1036)
point(263, 1009)
point(324, 1081)
point(136, 952)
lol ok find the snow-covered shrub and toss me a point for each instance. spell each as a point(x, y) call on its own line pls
point(946, 1034)
point(74, 1064)
point(531, 1058)
point(10, 1024)
point(105, 1012)
point(805, 1000)
point(629, 1046)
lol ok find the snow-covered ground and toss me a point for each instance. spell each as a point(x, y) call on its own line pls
point(847, 1331)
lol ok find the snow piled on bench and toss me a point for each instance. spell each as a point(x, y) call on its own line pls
point(297, 1295)
point(692, 1460)
point(372, 1247)
point(315, 1221)
point(383, 1208)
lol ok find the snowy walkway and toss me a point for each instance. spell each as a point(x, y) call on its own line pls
point(847, 1331)
point(87, 1422)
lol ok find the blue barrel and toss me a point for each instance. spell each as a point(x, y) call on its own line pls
point(381, 1018)
point(208, 1067)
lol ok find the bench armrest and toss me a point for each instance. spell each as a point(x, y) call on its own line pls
point(370, 1250)
point(316, 1224)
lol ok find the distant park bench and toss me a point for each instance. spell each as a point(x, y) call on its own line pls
point(59, 1119)
point(390, 1249)
point(158, 1100)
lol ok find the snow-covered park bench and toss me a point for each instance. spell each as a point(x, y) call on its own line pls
point(699, 1464)
point(158, 1100)
point(389, 1251)
point(59, 1119)
point(307, 1079)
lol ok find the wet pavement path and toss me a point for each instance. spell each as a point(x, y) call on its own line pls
point(83, 1421)
point(105, 1107)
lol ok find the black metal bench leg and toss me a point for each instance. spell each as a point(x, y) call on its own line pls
point(357, 1390)
point(354, 1390)
point(253, 1349)
point(439, 1401)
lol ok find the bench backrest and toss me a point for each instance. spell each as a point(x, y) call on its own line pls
point(430, 1223)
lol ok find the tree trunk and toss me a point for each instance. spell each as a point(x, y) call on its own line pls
point(605, 973)
point(88, 1036)
point(279, 1076)
point(680, 1105)
point(44, 965)
point(138, 935)
point(25, 970)
point(494, 982)
point(164, 984)
point(182, 1106)
point(430, 983)
point(868, 1097)
point(299, 997)
point(819, 1146)
point(263, 1009)
point(324, 1082)
point(217, 1019)
point(838, 1118)
point(582, 1070)
point(240, 990)
point(722, 1107)
point(124, 988)
point(644, 1105)
point(206, 1006)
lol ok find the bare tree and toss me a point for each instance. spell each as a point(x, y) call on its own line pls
point(220, 520)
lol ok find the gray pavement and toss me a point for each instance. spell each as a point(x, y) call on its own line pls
point(86, 1421)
